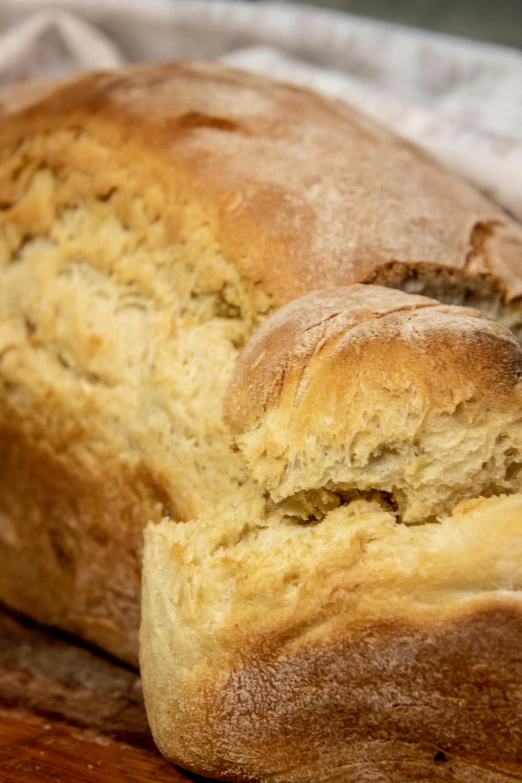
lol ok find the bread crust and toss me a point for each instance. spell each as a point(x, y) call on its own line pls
point(380, 700)
point(368, 334)
point(64, 559)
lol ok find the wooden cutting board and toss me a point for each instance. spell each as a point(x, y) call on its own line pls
point(69, 714)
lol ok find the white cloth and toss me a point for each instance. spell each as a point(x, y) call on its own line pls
point(460, 100)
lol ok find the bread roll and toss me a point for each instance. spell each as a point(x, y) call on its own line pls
point(150, 219)
point(366, 389)
point(346, 617)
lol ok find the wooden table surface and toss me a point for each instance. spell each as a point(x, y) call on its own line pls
point(71, 715)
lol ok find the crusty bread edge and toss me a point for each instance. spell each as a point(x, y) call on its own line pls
point(393, 699)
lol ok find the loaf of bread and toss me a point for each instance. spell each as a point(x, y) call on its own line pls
point(150, 221)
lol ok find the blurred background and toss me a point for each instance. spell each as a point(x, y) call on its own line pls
point(496, 21)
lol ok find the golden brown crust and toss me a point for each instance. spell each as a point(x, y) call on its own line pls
point(386, 700)
point(368, 334)
point(300, 190)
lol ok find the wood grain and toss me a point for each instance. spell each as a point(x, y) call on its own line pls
point(33, 750)
point(69, 714)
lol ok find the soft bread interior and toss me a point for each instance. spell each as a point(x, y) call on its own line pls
point(120, 324)
point(244, 569)
point(108, 316)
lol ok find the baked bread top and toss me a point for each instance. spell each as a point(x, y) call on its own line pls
point(297, 190)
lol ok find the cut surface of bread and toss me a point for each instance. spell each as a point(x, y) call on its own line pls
point(150, 219)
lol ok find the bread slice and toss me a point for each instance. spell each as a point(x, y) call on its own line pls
point(345, 617)
point(150, 219)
